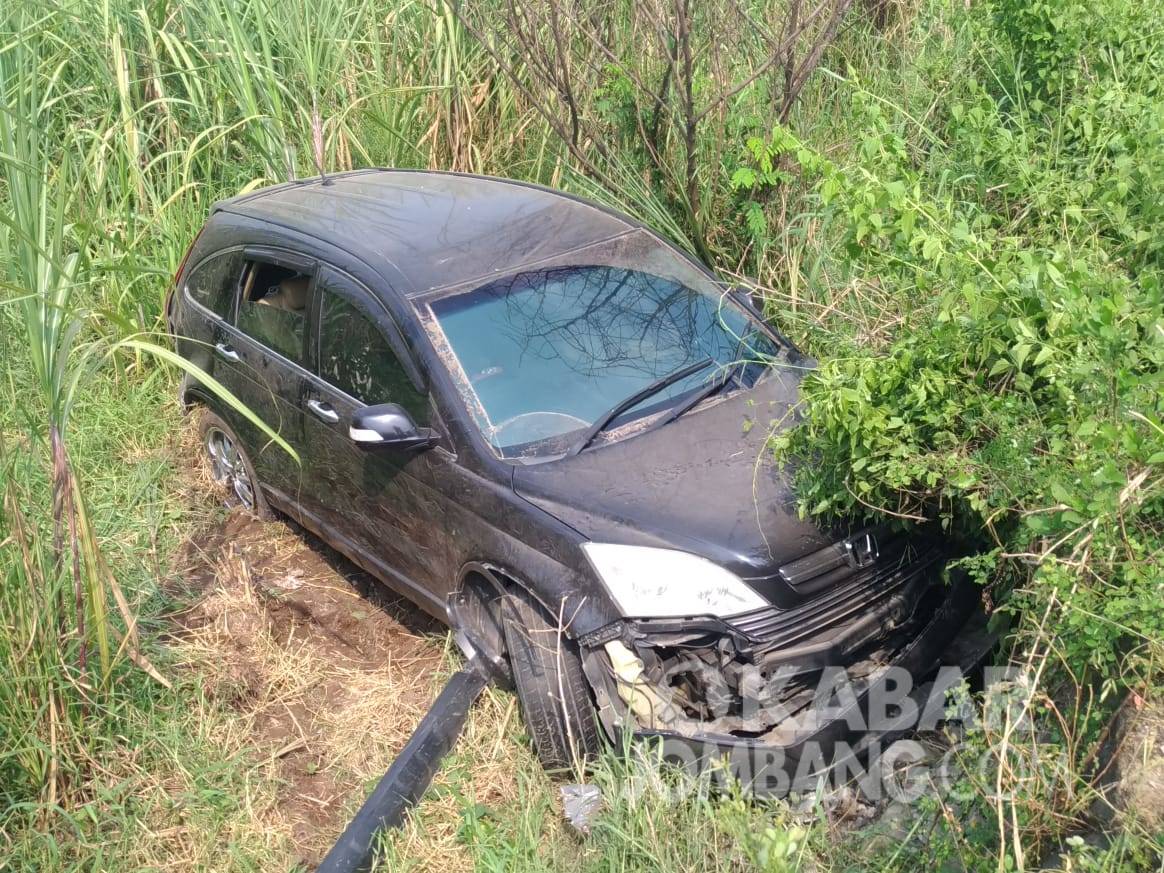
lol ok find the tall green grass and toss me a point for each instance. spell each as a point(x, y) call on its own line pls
point(68, 624)
point(58, 594)
point(120, 123)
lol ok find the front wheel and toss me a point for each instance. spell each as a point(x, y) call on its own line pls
point(229, 465)
point(556, 703)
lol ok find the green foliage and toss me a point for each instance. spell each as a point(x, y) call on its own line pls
point(757, 178)
point(1060, 44)
point(1021, 400)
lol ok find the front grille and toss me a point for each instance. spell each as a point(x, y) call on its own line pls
point(843, 560)
point(855, 597)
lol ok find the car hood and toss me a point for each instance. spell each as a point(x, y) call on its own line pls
point(705, 483)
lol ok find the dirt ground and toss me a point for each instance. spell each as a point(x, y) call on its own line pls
point(327, 672)
point(308, 676)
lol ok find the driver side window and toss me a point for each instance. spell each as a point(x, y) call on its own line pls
point(355, 357)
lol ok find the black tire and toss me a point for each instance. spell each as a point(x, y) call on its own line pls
point(555, 697)
point(210, 427)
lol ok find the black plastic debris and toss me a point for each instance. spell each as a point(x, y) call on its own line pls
point(410, 774)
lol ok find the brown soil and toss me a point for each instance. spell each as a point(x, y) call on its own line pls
point(1136, 781)
point(328, 673)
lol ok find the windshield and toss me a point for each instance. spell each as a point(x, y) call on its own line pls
point(546, 353)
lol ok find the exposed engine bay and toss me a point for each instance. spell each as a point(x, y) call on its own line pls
point(761, 677)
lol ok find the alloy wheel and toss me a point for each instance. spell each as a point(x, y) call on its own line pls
point(228, 467)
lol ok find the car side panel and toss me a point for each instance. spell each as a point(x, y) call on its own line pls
point(486, 523)
point(274, 389)
point(379, 499)
point(465, 503)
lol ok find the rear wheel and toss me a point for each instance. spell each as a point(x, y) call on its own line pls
point(547, 674)
point(229, 465)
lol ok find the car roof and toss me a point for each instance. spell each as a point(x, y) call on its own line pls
point(435, 229)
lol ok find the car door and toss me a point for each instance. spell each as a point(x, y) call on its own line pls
point(379, 499)
point(262, 357)
point(209, 290)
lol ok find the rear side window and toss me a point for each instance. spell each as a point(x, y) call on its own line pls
point(355, 357)
point(273, 308)
point(212, 282)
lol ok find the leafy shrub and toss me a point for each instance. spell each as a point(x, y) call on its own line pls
point(1022, 402)
point(1007, 215)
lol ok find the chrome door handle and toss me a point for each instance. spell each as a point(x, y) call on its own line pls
point(323, 411)
point(226, 353)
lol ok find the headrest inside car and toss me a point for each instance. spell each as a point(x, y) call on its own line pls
point(289, 294)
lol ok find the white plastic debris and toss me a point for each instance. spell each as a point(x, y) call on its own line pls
point(580, 803)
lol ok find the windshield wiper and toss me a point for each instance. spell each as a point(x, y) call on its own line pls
point(635, 399)
point(699, 396)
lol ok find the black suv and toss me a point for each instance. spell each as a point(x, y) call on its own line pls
point(546, 426)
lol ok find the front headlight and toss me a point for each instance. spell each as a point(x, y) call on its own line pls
point(662, 583)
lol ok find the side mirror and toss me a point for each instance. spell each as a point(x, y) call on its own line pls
point(387, 424)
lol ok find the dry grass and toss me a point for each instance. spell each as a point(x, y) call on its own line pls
point(310, 678)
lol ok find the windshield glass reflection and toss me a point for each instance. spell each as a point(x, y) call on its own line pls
point(546, 352)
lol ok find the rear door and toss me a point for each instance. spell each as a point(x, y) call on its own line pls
point(378, 499)
point(208, 289)
point(261, 355)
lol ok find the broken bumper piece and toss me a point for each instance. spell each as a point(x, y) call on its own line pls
point(779, 713)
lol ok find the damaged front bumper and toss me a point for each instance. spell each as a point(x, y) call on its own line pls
point(786, 697)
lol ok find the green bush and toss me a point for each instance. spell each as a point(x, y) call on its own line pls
point(1022, 400)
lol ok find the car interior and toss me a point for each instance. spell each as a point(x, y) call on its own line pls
point(274, 306)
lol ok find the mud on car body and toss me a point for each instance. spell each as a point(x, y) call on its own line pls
point(547, 427)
